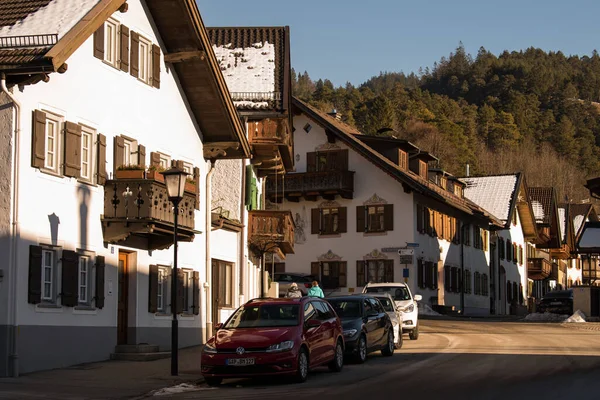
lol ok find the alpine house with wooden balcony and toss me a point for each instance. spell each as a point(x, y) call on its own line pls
point(87, 226)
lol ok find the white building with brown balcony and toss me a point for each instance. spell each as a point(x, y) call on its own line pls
point(357, 199)
point(102, 95)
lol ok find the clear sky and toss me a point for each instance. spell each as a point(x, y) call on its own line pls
point(353, 40)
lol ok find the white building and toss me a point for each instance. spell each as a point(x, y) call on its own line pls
point(357, 199)
point(577, 214)
point(86, 227)
point(505, 197)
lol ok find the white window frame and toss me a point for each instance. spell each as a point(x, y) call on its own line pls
point(130, 151)
point(51, 265)
point(54, 124)
point(162, 289)
point(145, 60)
point(91, 134)
point(112, 30)
point(83, 281)
point(189, 168)
point(165, 161)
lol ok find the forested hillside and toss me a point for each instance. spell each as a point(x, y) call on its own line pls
point(529, 111)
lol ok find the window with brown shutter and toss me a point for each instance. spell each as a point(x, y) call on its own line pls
point(447, 279)
point(342, 274)
point(361, 273)
point(181, 290)
point(134, 59)
point(70, 281)
point(118, 153)
point(72, 164)
point(402, 160)
point(155, 66)
point(388, 217)
point(315, 221)
point(99, 43)
point(38, 152)
point(196, 293)
point(99, 290)
point(154, 159)
point(423, 169)
point(389, 270)
point(34, 293)
point(153, 289)
point(342, 220)
point(420, 274)
point(430, 222)
point(124, 49)
point(101, 175)
point(311, 162)
point(196, 176)
point(141, 152)
point(360, 218)
point(420, 227)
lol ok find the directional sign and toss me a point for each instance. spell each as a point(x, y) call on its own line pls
point(390, 249)
point(412, 244)
point(406, 259)
point(406, 252)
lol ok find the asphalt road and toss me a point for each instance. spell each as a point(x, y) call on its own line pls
point(452, 359)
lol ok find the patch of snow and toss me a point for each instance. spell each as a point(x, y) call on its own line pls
point(251, 104)
point(577, 317)
point(548, 317)
point(181, 388)
point(248, 70)
point(538, 211)
point(578, 221)
point(58, 17)
point(492, 193)
point(425, 309)
point(562, 219)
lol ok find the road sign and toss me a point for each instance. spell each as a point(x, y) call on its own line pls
point(405, 273)
point(406, 252)
point(406, 259)
point(390, 249)
point(412, 244)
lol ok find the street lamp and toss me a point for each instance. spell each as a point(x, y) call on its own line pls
point(175, 182)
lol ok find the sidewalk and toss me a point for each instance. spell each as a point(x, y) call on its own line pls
point(108, 380)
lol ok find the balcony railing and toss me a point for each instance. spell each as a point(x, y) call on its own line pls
point(539, 268)
point(271, 138)
point(564, 252)
point(272, 230)
point(138, 213)
point(327, 184)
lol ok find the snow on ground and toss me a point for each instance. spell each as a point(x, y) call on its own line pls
point(577, 317)
point(181, 388)
point(424, 309)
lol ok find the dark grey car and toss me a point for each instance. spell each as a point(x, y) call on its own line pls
point(285, 279)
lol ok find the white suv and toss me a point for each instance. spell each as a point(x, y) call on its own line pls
point(404, 301)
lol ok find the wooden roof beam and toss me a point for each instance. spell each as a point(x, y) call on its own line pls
point(181, 56)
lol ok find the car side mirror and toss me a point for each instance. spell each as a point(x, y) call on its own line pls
point(313, 323)
point(418, 297)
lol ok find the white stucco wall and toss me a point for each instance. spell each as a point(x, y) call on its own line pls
point(6, 134)
point(227, 187)
point(515, 272)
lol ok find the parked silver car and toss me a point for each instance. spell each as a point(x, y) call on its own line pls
point(395, 314)
point(285, 279)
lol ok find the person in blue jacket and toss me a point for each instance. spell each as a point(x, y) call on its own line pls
point(315, 290)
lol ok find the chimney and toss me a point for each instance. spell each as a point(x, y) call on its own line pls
point(335, 114)
point(467, 170)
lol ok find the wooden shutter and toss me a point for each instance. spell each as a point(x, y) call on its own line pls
point(153, 289)
point(70, 281)
point(447, 283)
point(332, 160)
point(99, 43)
point(433, 271)
point(72, 165)
point(154, 159)
point(343, 274)
point(311, 162)
point(342, 161)
point(315, 270)
point(249, 174)
point(420, 274)
point(38, 151)
point(360, 219)
point(388, 266)
point(388, 217)
point(419, 218)
point(342, 220)
point(361, 276)
point(118, 152)
point(124, 50)
point(155, 66)
point(315, 221)
point(253, 194)
point(100, 267)
point(180, 291)
point(430, 222)
point(196, 292)
point(197, 192)
point(141, 156)
point(34, 294)
point(179, 164)
point(134, 59)
point(101, 160)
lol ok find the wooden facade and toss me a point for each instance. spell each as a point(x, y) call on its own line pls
point(311, 185)
point(272, 230)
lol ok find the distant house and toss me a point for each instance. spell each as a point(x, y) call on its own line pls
point(579, 271)
point(357, 200)
point(505, 197)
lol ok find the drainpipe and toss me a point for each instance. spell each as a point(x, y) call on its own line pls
point(208, 283)
point(242, 251)
point(15, 233)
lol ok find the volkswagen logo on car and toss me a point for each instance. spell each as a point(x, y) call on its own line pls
point(240, 350)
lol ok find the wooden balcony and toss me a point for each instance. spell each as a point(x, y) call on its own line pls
point(563, 253)
point(310, 185)
point(138, 214)
point(272, 145)
point(538, 268)
point(272, 231)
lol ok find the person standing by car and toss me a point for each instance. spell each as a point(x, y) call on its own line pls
point(315, 290)
point(293, 291)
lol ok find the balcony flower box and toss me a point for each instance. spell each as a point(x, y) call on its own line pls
point(129, 173)
point(190, 186)
point(156, 175)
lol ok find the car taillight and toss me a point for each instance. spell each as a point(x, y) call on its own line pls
point(307, 285)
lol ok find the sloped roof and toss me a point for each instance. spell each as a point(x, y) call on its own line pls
point(255, 62)
point(562, 221)
point(12, 11)
point(348, 135)
point(542, 201)
point(578, 214)
point(493, 193)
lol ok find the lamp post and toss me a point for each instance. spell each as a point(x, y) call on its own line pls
point(175, 182)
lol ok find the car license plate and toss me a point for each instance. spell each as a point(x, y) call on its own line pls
point(240, 361)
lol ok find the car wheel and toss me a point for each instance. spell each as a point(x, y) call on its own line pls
point(213, 381)
point(302, 370)
point(414, 334)
point(361, 350)
point(399, 344)
point(388, 350)
point(337, 363)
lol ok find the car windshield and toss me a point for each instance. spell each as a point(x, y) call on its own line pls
point(346, 308)
point(399, 293)
point(264, 316)
point(387, 303)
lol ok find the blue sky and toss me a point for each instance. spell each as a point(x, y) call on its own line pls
point(353, 40)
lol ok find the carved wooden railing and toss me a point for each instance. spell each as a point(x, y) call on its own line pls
point(272, 226)
point(539, 268)
point(312, 182)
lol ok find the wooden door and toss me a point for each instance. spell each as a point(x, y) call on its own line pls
point(122, 313)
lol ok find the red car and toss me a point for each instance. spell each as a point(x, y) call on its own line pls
point(285, 336)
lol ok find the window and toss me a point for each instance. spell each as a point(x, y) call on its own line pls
point(379, 271)
point(467, 281)
point(402, 160)
point(145, 60)
point(423, 169)
point(331, 274)
point(501, 248)
point(323, 310)
point(458, 190)
point(111, 42)
point(325, 161)
point(466, 234)
point(130, 152)
point(161, 299)
point(509, 249)
point(309, 311)
point(329, 220)
point(224, 282)
point(48, 257)
point(84, 280)
point(189, 168)
point(165, 161)
point(375, 219)
point(87, 154)
point(52, 142)
point(187, 290)
point(484, 285)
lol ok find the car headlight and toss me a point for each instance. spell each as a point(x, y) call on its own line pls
point(283, 346)
point(209, 348)
point(409, 308)
point(350, 332)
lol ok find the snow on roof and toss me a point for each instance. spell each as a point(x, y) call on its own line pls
point(58, 17)
point(562, 220)
point(249, 73)
point(492, 193)
point(578, 222)
point(538, 211)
